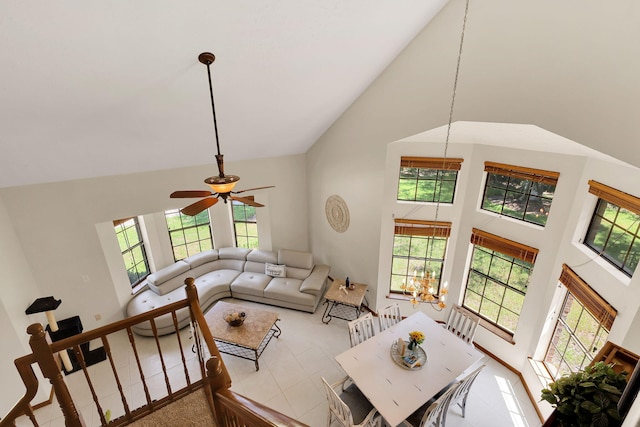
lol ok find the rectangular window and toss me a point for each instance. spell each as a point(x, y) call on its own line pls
point(189, 234)
point(582, 327)
point(498, 279)
point(428, 179)
point(419, 248)
point(245, 224)
point(614, 229)
point(519, 192)
point(132, 248)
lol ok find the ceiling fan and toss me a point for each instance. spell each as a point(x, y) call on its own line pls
point(221, 184)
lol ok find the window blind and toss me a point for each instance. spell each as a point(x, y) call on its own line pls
point(536, 175)
point(592, 301)
point(117, 222)
point(617, 197)
point(416, 227)
point(502, 245)
point(441, 163)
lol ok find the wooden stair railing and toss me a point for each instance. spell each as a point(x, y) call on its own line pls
point(228, 408)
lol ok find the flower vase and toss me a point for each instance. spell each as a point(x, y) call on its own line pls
point(412, 345)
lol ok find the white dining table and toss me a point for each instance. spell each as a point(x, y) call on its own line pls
point(395, 391)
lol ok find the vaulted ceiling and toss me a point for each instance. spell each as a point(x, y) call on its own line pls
point(96, 88)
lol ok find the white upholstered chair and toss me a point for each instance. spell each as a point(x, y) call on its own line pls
point(463, 323)
point(361, 329)
point(389, 316)
point(434, 415)
point(459, 397)
point(351, 408)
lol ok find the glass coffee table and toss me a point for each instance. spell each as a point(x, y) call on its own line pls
point(342, 303)
point(248, 340)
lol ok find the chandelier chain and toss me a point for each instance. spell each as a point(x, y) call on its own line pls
point(453, 99)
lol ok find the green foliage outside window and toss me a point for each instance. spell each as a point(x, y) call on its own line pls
point(427, 185)
point(416, 254)
point(496, 287)
point(132, 248)
point(189, 234)
point(246, 226)
point(578, 336)
point(614, 232)
point(518, 198)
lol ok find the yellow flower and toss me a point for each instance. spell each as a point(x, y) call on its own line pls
point(416, 336)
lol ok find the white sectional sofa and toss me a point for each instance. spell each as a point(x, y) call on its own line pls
point(233, 272)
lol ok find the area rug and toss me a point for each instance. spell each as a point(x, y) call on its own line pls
point(190, 411)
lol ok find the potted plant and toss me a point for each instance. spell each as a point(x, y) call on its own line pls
point(588, 397)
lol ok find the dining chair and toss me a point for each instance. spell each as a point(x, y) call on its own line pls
point(459, 397)
point(389, 316)
point(350, 408)
point(463, 323)
point(434, 415)
point(361, 329)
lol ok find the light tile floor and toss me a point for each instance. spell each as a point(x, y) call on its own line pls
point(289, 377)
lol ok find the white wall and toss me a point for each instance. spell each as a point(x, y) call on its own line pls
point(18, 290)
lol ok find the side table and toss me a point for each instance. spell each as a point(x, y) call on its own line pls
point(343, 303)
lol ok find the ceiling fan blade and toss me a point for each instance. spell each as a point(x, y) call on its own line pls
point(190, 194)
point(247, 201)
point(251, 189)
point(199, 206)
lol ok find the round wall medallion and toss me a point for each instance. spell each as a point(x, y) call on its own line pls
point(337, 213)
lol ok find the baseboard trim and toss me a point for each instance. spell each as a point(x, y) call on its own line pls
point(517, 372)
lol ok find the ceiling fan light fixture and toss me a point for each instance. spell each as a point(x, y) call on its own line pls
point(222, 184)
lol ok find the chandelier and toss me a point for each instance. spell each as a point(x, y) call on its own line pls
point(424, 288)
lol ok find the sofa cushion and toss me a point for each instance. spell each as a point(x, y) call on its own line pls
point(166, 273)
point(222, 277)
point(287, 289)
point(168, 278)
point(148, 300)
point(296, 259)
point(250, 283)
point(299, 264)
point(209, 291)
point(257, 255)
point(275, 270)
point(233, 253)
point(315, 283)
point(201, 258)
point(256, 260)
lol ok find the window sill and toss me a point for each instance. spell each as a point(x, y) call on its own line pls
point(139, 287)
point(601, 262)
point(541, 372)
point(511, 219)
point(400, 297)
point(501, 333)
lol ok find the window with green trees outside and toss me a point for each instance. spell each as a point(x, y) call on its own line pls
point(498, 279)
point(245, 225)
point(189, 234)
point(132, 248)
point(614, 231)
point(582, 327)
point(428, 179)
point(419, 248)
point(518, 192)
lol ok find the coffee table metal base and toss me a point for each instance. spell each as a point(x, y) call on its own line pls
point(246, 352)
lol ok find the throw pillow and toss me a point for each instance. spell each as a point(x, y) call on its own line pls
point(275, 270)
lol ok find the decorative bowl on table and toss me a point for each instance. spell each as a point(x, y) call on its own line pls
point(412, 360)
point(234, 318)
